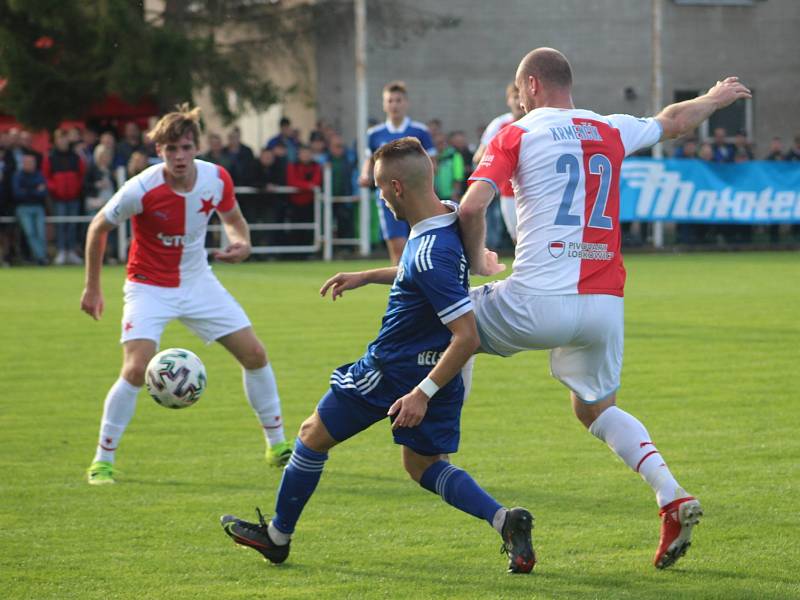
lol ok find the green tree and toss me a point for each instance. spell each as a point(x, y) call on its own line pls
point(58, 57)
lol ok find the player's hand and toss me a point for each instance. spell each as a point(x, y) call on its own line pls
point(236, 252)
point(491, 264)
point(364, 181)
point(341, 282)
point(728, 91)
point(410, 409)
point(92, 303)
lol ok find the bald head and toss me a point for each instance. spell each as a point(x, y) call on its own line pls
point(548, 65)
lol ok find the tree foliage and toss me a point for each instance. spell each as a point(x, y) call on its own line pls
point(58, 57)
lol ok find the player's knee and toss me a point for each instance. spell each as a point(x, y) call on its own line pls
point(254, 357)
point(416, 464)
point(314, 435)
point(133, 372)
point(588, 412)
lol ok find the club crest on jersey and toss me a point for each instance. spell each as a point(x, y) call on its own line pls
point(556, 249)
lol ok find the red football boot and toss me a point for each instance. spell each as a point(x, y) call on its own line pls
point(677, 519)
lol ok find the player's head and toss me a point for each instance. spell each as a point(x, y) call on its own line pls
point(512, 100)
point(542, 74)
point(176, 136)
point(403, 173)
point(395, 100)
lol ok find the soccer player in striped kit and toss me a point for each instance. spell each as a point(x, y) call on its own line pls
point(169, 278)
point(566, 290)
point(411, 372)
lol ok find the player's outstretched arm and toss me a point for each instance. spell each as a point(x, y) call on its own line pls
point(92, 298)
point(411, 408)
point(342, 282)
point(681, 118)
point(472, 222)
point(238, 233)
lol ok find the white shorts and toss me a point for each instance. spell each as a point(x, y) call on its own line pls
point(508, 208)
point(584, 333)
point(203, 305)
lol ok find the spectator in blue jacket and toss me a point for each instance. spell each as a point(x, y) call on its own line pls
point(30, 193)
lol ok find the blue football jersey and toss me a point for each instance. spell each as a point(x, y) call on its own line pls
point(378, 135)
point(430, 290)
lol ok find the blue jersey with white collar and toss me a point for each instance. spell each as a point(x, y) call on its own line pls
point(431, 289)
point(378, 135)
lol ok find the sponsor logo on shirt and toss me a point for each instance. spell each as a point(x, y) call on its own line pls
point(556, 249)
point(429, 357)
point(175, 241)
point(487, 160)
point(589, 251)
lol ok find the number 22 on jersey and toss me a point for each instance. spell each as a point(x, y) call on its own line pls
point(599, 164)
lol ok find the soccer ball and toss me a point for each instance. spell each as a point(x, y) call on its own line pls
point(175, 378)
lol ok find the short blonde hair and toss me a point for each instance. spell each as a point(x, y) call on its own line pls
point(173, 126)
point(396, 86)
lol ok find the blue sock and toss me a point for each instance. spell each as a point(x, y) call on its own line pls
point(300, 479)
point(458, 489)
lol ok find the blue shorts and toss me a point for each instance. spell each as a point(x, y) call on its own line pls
point(391, 227)
point(360, 397)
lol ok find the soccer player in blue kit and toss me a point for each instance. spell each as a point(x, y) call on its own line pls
point(411, 372)
point(397, 125)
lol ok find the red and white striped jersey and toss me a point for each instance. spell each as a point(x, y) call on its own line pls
point(169, 227)
point(492, 129)
point(565, 167)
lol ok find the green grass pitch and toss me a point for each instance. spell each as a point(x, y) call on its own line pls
point(711, 367)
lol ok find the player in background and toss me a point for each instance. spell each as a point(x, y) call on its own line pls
point(169, 278)
point(411, 372)
point(508, 207)
point(397, 125)
point(566, 289)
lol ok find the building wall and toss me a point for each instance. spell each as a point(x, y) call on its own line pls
point(459, 74)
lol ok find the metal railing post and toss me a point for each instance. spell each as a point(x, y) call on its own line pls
point(327, 214)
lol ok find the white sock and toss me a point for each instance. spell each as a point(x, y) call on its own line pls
point(280, 538)
point(466, 375)
point(629, 439)
point(262, 394)
point(117, 412)
point(499, 519)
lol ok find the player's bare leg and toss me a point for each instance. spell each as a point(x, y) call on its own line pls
point(261, 390)
point(395, 247)
point(629, 440)
point(119, 407)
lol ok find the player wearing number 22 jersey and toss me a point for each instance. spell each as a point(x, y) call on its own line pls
point(564, 166)
point(566, 291)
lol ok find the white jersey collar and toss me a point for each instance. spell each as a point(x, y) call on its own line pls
point(403, 126)
point(436, 222)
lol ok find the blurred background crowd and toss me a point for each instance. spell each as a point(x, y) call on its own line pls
point(83, 167)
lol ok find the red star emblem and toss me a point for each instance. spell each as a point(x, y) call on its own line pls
point(128, 325)
point(208, 206)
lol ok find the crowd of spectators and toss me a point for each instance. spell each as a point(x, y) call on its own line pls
point(74, 178)
point(83, 168)
point(719, 149)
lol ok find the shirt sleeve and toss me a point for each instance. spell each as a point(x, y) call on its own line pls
point(636, 133)
point(500, 159)
point(426, 140)
point(491, 130)
point(125, 203)
point(439, 272)
point(228, 201)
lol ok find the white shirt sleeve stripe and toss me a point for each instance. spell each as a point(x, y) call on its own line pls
point(453, 306)
point(457, 313)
